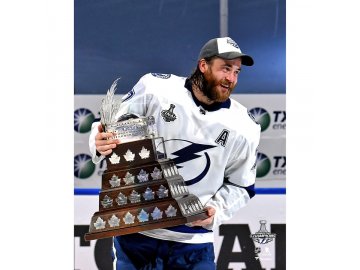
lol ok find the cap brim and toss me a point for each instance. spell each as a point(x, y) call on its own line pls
point(245, 59)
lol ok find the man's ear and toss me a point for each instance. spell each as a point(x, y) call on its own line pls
point(202, 65)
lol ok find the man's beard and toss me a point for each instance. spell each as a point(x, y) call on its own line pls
point(209, 85)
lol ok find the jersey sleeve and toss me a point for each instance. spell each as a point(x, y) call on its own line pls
point(94, 130)
point(136, 101)
point(239, 181)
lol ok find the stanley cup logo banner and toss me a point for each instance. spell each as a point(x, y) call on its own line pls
point(263, 236)
point(141, 188)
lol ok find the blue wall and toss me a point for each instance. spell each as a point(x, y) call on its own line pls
point(122, 38)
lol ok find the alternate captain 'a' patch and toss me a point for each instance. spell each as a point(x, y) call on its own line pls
point(161, 75)
point(169, 115)
point(223, 137)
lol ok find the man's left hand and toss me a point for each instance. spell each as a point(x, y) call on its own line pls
point(204, 222)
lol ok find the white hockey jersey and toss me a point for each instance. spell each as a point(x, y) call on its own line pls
point(214, 147)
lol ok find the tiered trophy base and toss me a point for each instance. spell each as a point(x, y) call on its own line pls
point(142, 190)
point(110, 228)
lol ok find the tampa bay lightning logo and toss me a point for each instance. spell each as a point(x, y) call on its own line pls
point(129, 95)
point(190, 151)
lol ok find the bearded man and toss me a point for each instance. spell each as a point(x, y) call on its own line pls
point(213, 140)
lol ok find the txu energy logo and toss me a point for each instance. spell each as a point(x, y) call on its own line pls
point(263, 165)
point(83, 166)
point(83, 118)
point(262, 117)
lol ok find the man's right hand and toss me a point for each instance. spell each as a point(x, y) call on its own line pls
point(103, 144)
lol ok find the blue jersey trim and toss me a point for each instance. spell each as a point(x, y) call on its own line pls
point(86, 191)
point(270, 191)
point(250, 189)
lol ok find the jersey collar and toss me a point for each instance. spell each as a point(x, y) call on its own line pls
point(213, 107)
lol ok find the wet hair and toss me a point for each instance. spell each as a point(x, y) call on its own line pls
point(198, 78)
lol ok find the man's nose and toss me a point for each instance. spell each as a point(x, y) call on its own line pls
point(231, 77)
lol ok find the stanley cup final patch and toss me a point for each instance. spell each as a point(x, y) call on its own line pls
point(169, 115)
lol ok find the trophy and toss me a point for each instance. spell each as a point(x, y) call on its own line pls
point(141, 188)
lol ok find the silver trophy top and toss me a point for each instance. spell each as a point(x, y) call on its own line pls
point(133, 129)
point(110, 106)
point(127, 127)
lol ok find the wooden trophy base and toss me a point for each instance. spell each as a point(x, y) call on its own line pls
point(137, 226)
point(141, 191)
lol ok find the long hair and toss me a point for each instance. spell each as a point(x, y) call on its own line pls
point(198, 78)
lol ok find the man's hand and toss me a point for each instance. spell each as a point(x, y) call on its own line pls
point(210, 212)
point(103, 144)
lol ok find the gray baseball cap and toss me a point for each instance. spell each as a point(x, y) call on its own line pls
point(225, 48)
